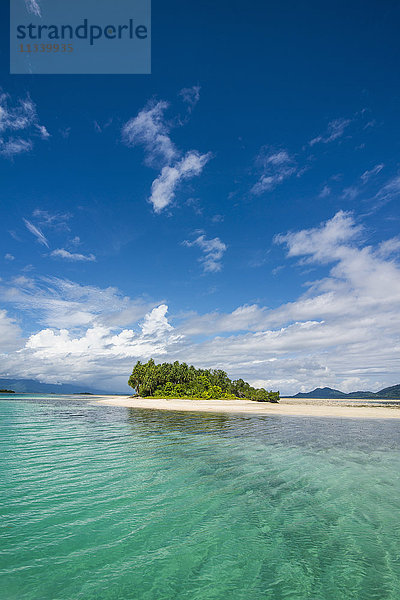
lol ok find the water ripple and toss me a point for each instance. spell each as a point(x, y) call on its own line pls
point(118, 504)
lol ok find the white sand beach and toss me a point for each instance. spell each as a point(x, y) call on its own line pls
point(310, 407)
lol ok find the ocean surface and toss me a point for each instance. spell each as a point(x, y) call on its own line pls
point(107, 503)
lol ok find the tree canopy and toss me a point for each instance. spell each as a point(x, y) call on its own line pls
point(178, 380)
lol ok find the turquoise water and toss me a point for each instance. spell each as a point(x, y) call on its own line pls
point(114, 503)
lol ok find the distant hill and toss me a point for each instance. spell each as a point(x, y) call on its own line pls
point(389, 393)
point(35, 387)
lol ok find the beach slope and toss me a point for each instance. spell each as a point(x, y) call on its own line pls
point(311, 407)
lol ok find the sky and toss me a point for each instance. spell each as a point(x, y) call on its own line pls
point(238, 208)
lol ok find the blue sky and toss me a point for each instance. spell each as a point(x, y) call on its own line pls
point(238, 208)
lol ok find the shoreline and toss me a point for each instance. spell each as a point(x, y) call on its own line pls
point(310, 407)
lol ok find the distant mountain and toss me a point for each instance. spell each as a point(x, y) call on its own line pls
point(325, 392)
point(389, 393)
point(35, 387)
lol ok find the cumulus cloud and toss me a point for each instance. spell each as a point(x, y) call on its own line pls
point(150, 130)
point(276, 167)
point(213, 251)
point(342, 330)
point(55, 355)
point(41, 238)
point(335, 130)
point(322, 242)
point(18, 125)
point(72, 256)
point(163, 188)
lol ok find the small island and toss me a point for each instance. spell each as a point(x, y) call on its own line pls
point(7, 392)
point(178, 380)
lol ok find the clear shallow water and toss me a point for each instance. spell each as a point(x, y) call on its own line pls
point(113, 503)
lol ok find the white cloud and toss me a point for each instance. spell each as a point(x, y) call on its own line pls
point(325, 192)
point(9, 257)
point(190, 96)
point(213, 251)
point(37, 233)
point(388, 192)
point(322, 242)
point(156, 323)
point(44, 134)
point(149, 129)
point(52, 220)
point(350, 192)
point(368, 174)
point(60, 303)
point(164, 187)
point(14, 146)
point(71, 256)
point(335, 130)
point(18, 123)
point(342, 330)
point(10, 334)
point(276, 167)
point(33, 7)
point(389, 247)
point(99, 353)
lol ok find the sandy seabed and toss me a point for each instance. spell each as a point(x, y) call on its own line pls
point(309, 407)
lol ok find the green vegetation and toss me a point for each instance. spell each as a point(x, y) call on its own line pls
point(7, 392)
point(178, 380)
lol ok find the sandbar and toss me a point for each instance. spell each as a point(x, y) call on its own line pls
point(310, 407)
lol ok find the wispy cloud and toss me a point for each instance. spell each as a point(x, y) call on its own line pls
point(72, 256)
point(149, 129)
point(18, 125)
point(163, 188)
point(276, 167)
point(213, 251)
point(44, 134)
point(335, 130)
point(190, 96)
point(37, 233)
point(325, 192)
point(33, 7)
point(100, 127)
point(52, 220)
point(63, 303)
point(350, 192)
point(368, 174)
point(388, 192)
point(9, 257)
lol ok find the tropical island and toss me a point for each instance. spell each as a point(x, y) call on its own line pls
point(7, 392)
point(178, 380)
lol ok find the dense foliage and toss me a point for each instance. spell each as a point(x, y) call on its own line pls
point(178, 380)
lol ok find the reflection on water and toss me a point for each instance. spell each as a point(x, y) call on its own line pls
point(113, 503)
